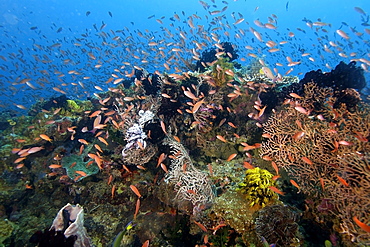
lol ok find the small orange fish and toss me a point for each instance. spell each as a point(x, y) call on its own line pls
point(110, 179)
point(197, 106)
point(205, 239)
point(294, 183)
point(34, 150)
point(177, 139)
point(135, 190)
point(164, 168)
point(29, 187)
point(294, 95)
point(113, 190)
point(184, 167)
point(46, 138)
point(19, 166)
point(161, 158)
point(231, 157)
point(342, 181)
point(128, 98)
point(82, 147)
point(301, 110)
point(94, 114)
point(210, 169)
point(57, 111)
point(21, 107)
point(101, 139)
point(109, 113)
point(141, 167)
point(232, 125)
point(307, 160)
point(298, 135)
point(125, 167)
point(83, 141)
point(360, 137)
point(190, 95)
point(201, 226)
point(248, 147)
point(275, 167)
point(363, 226)
point(322, 183)
point(163, 126)
point(345, 143)
point(98, 148)
point(267, 135)
point(145, 244)
point(83, 174)
point(137, 208)
point(276, 190)
point(54, 166)
point(221, 138)
point(15, 150)
point(166, 96)
point(247, 165)
point(267, 158)
point(100, 126)
point(260, 113)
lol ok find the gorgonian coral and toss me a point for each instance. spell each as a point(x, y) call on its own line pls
point(325, 148)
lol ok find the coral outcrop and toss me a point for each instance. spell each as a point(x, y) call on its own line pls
point(70, 220)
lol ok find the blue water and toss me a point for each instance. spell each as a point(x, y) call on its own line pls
point(56, 26)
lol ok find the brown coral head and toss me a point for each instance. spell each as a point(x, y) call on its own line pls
point(278, 224)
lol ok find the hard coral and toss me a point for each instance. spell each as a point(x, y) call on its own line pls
point(278, 225)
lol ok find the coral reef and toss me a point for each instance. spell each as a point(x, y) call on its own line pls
point(177, 156)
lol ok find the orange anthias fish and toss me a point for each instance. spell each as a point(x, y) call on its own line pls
point(247, 165)
point(231, 157)
point(363, 226)
point(135, 190)
point(221, 138)
point(46, 138)
point(276, 190)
